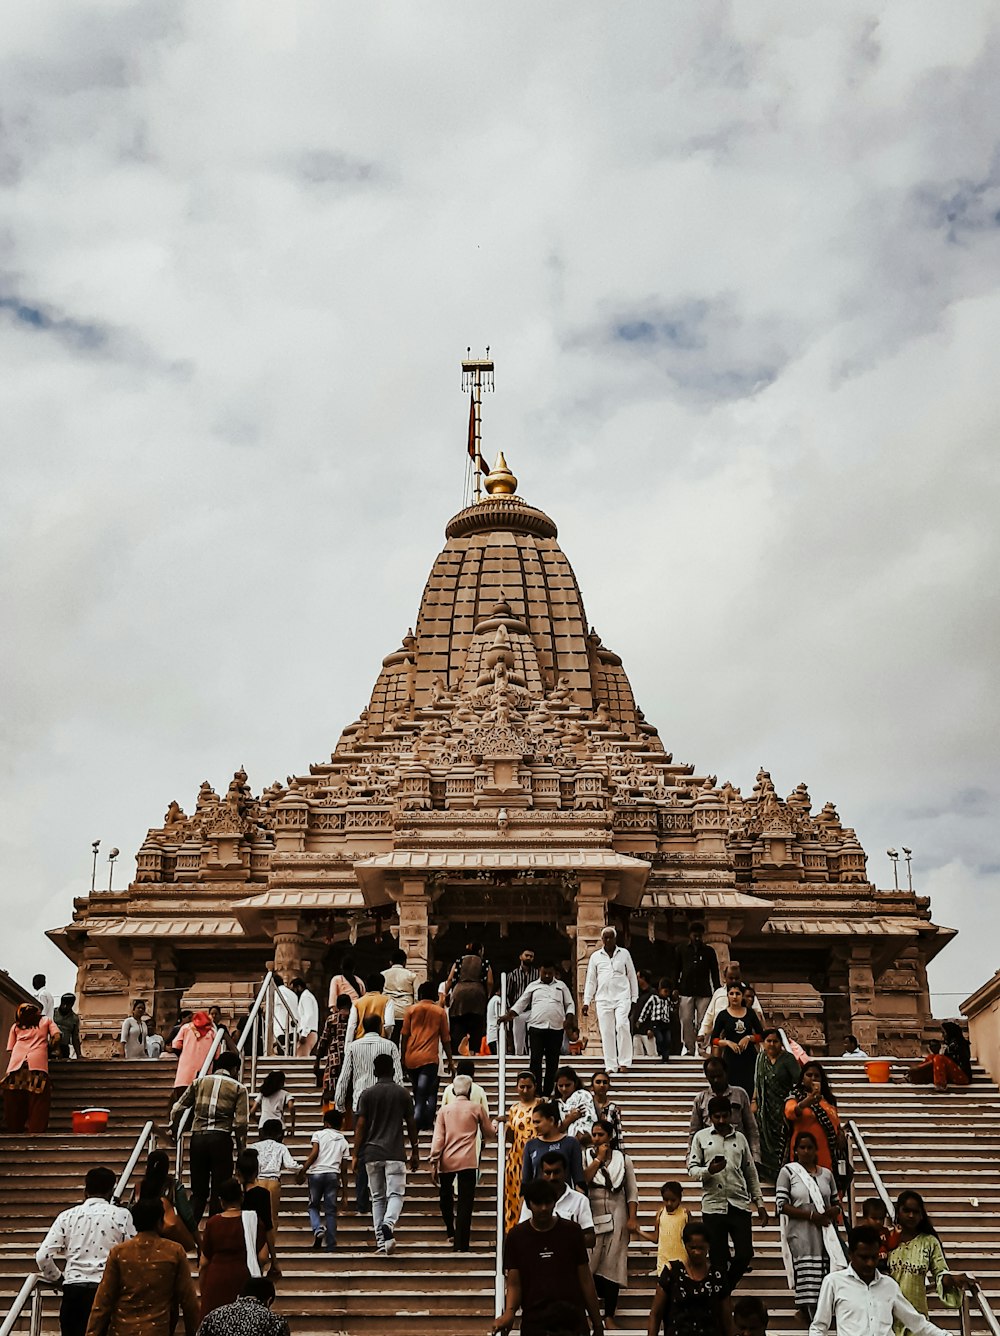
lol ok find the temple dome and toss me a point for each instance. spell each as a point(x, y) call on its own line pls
point(502, 565)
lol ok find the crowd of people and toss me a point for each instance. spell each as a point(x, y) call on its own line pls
point(570, 1194)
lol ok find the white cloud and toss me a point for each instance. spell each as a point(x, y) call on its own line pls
point(242, 257)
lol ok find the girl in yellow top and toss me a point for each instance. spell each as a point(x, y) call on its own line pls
point(670, 1221)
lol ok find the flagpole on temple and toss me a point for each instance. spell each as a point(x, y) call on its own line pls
point(477, 375)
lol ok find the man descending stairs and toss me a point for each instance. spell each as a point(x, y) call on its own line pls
point(947, 1146)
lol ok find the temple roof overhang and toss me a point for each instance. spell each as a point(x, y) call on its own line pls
point(114, 932)
point(381, 877)
point(746, 913)
point(893, 933)
point(257, 912)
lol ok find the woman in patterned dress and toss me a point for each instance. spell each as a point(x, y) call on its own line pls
point(605, 1107)
point(520, 1130)
point(691, 1297)
point(331, 1047)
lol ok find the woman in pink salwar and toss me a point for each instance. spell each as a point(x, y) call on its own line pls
point(193, 1042)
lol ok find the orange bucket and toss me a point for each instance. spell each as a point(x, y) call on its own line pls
point(878, 1072)
point(87, 1122)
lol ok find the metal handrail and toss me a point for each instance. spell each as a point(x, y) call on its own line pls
point(31, 1289)
point(263, 1002)
point(34, 1284)
point(990, 1318)
point(266, 995)
point(145, 1140)
point(854, 1132)
point(973, 1288)
point(498, 1280)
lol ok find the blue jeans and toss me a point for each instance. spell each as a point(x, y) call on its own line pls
point(323, 1189)
point(425, 1092)
point(387, 1183)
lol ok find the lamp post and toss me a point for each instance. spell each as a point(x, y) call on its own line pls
point(93, 871)
point(909, 867)
point(894, 855)
point(111, 866)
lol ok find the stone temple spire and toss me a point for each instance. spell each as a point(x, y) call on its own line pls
point(502, 572)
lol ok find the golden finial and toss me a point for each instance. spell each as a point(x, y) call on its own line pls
point(500, 481)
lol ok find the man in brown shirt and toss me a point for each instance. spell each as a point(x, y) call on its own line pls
point(425, 1026)
point(143, 1279)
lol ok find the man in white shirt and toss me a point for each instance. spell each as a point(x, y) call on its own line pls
point(308, 1018)
point(547, 1006)
point(852, 1049)
point(83, 1236)
point(861, 1301)
point(572, 1205)
point(730, 975)
point(400, 986)
point(611, 981)
point(286, 1018)
point(43, 997)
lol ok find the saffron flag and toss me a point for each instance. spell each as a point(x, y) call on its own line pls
point(472, 428)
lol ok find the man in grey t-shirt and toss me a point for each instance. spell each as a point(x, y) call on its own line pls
point(382, 1112)
point(742, 1115)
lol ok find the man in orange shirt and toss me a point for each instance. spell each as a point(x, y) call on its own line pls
point(425, 1027)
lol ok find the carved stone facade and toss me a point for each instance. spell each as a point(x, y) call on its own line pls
point(503, 785)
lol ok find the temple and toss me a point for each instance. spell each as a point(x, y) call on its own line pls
point(503, 785)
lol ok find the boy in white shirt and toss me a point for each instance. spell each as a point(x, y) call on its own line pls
point(326, 1168)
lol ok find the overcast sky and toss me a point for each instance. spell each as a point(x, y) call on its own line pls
point(739, 266)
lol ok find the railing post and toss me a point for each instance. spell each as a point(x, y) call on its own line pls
point(35, 1318)
point(254, 1040)
point(498, 1281)
point(268, 1023)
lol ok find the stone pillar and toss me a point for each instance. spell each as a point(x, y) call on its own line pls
point(719, 935)
point(835, 987)
point(289, 949)
point(590, 923)
point(412, 906)
point(142, 976)
point(861, 990)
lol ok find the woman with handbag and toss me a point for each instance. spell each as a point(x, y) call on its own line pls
point(808, 1209)
point(614, 1200)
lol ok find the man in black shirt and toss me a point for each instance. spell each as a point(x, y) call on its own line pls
point(699, 978)
point(545, 1259)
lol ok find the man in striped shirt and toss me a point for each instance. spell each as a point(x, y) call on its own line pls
point(358, 1075)
point(221, 1113)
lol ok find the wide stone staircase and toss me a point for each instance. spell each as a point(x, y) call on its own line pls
point(947, 1146)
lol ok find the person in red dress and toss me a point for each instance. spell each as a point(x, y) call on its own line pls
point(231, 1246)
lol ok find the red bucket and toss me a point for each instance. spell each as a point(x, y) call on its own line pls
point(878, 1072)
point(87, 1122)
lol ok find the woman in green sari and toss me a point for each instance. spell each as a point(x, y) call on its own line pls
point(776, 1075)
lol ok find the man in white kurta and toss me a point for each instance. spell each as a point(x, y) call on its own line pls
point(611, 982)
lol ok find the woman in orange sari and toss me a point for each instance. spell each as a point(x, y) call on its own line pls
point(812, 1107)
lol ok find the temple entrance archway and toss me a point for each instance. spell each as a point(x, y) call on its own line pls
point(503, 945)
